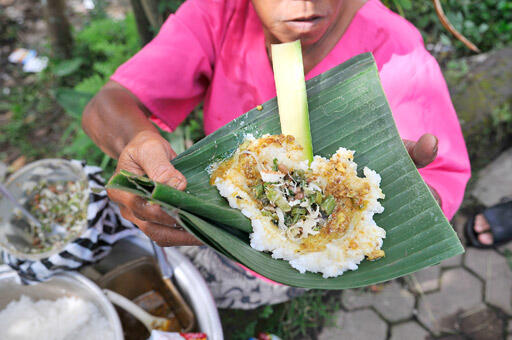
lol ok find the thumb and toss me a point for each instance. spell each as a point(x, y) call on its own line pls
point(158, 167)
point(424, 151)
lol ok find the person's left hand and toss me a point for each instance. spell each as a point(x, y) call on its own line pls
point(423, 152)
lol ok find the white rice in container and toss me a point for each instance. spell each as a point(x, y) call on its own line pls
point(65, 318)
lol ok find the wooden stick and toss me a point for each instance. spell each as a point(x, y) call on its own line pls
point(451, 29)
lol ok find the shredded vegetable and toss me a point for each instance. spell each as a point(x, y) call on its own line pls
point(295, 205)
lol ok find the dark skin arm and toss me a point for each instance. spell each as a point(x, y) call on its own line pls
point(118, 123)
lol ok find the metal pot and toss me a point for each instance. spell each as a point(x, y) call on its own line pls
point(61, 285)
point(186, 277)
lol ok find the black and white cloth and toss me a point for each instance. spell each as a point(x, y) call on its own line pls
point(105, 227)
point(230, 285)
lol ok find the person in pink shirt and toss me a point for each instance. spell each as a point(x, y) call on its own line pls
point(217, 52)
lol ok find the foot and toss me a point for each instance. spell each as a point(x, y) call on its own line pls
point(482, 229)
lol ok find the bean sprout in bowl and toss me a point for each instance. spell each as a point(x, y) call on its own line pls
point(56, 192)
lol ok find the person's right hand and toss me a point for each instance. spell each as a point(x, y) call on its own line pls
point(149, 153)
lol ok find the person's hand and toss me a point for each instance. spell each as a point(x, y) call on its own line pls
point(149, 153)
point(423, 152)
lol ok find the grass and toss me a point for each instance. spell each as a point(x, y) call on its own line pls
point(300, 318)
point(30, 120)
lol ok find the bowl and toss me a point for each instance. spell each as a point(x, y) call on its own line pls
point(61, 285)
point(15, 237)
point(187, 279)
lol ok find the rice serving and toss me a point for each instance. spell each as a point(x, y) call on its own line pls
point(317, 216)
point(64, 318)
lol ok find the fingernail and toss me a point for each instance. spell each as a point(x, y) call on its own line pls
point(181, 184)
point(436, 145)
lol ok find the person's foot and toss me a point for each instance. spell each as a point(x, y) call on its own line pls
point(482, 229)
point(492, 227)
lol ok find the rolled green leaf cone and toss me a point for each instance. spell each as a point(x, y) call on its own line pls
point(292, 98)
point(347, 107)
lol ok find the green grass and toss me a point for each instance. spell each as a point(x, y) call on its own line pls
point(302, 317)
point(29, 112)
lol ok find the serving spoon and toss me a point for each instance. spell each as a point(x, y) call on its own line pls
point(150, 321)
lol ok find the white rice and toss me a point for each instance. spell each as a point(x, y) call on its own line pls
point(66, 318)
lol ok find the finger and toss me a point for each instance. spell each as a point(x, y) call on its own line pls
point(119, 197)
point(162, 235)
point(424, 151)
point(436, 195)
point(156, 164)
point(141, 208)
point(168, 237)
point(146, 211)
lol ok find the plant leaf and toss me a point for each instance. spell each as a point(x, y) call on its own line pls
point(347, 108)
point(73, 102)
point(67, 67)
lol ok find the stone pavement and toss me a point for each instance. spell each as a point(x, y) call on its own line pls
point(466, 297)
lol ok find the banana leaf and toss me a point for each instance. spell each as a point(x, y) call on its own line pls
point(347, 108)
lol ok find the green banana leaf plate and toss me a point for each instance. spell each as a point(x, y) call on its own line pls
point(347, 107)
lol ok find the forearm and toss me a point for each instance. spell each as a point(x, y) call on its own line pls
point(114, 117)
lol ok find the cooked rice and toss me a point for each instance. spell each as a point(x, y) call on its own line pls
point(330, 253)
point(63, 319)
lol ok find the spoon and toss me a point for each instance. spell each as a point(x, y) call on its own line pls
point(25, 212)
point(150, 321)
point(55, 228)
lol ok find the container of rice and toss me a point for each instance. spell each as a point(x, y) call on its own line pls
point(68, 306)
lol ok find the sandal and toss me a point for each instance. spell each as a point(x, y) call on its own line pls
point(499, 218)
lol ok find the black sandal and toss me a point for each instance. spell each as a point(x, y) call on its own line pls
point(499, 218)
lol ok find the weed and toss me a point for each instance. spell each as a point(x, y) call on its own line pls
point(30, 111)
point(487, 23)
point(301, 317)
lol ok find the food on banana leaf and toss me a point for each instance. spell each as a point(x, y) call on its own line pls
point(318, 215)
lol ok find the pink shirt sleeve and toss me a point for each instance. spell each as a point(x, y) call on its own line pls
point(421, 103)
point(173, 71)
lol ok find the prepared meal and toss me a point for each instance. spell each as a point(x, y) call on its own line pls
point(318, 215)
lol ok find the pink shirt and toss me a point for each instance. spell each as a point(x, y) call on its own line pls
point(214, 51)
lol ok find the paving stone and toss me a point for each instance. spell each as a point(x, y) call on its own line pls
point(448, 337)
point(427, 279)
point(362, 324)
point(459, 291)
point(454, 261)
point(490, 191)
point(481, 324)
point(407, 331)
point(393, 302)
point(493, 268)
point(356, 298)
point(459, 222)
